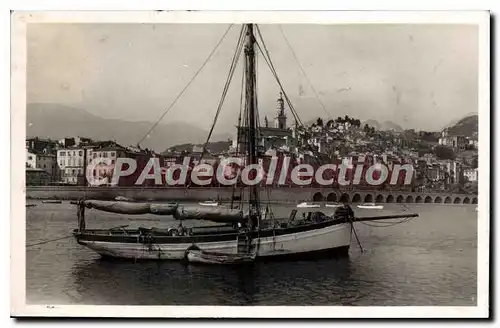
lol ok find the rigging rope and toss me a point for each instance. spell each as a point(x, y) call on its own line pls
point(386, 224)
point(267, 59)
point(303, 72)
point(48, 241)
point(238, 129)
point(275, 74)
point(234, 62)
point(258, 132)
point(187, 85)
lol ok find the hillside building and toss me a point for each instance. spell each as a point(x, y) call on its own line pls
point(453, 141)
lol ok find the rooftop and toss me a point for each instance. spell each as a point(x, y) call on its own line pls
point(40, 153)
point(40, 139)
point(109, 148)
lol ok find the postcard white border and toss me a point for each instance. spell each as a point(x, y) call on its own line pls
point(18, 105)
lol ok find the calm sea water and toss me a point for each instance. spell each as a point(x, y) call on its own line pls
point(431, 260)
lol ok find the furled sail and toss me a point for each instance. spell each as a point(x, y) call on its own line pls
point(220, 215)
point(131, 208)
point(214, 214)
point(163, 209)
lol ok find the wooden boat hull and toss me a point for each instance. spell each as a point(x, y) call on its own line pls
point(330, 239)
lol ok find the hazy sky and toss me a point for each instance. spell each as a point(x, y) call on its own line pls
point(418, 76)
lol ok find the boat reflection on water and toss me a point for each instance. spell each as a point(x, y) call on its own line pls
point(121, 282)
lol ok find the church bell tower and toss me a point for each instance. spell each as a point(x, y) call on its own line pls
point(280, 119)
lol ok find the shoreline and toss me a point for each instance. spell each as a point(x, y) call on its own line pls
point(281, 195)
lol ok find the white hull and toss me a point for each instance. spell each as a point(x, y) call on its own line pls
point(324, 239)
point(307, 205)
point(208, 204)
point(371, 207)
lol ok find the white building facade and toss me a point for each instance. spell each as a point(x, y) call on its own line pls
point(71, 163)
point(102, 170)
point(472, 175)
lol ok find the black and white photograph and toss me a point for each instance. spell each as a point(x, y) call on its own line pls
point(198, 164)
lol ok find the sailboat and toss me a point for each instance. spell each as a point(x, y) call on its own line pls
point(240, 235)
point(209, 203)
point(371, 206)
point(308, 205)
point(334, 205)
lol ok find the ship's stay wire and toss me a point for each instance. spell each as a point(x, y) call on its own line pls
point(270, 64)
point(386, 224)
point(234, 63)
point(49, 241)
point(381, 224)
point(187, 85)
point(267, 59)
point(242, 87)
point(304, 72)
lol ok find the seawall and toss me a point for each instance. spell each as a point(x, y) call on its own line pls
point(289, 195)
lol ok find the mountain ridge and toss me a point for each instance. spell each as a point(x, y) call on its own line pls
point(53, 121)
point(467, 126)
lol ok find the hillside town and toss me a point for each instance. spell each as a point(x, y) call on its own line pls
point(442, 161)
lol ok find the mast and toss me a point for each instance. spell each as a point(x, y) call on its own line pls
point(250, 101)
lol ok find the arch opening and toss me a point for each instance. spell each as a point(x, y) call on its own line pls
point(318, 197)
point(438, 200)
point(390, 199)
point(379, 199)
point(474, 200)
point(418, 199)
point(428, 199)
point(400, 199)
point(356, 198)
point(457, 200)
point(332, 197)
point(466, 200)
point(344, 198)
point(447, 200)
point(369, 198)
point(409, 199)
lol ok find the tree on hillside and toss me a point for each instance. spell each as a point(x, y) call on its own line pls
point(329, 123)
point(429, 136)
point(319, 121)
point(443, 152)
point(366, 128)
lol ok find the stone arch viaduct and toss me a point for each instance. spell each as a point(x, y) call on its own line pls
point(280, 194)
point(391, 197)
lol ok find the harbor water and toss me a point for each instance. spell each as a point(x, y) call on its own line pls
point(430, 260)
